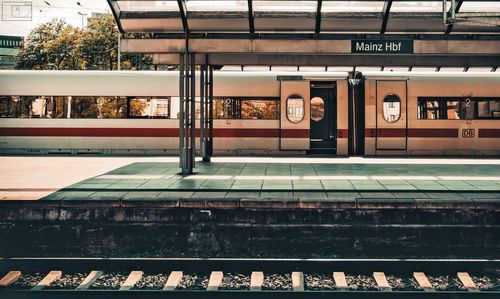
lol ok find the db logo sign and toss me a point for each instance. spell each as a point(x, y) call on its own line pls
point(468, 133)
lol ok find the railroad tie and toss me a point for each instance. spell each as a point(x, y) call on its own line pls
point(256, 281)
point(298, 281)
point(423, 281)
point(381, 281)
point(340, 281)
point(173, 280)
point(131, 280)
point(10, 278)
point(89, 280)
point(47, 280)
point(466, 280)
point(215, 280)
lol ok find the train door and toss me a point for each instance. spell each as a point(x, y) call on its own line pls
point(391, 120)
point(323, 120)
point(294, 119)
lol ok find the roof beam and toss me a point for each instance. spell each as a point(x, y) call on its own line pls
point(457, 9)
point(335, 60)
point(251, 23)
point(319, 47)
point(183, 12)
point(385, 15)
point(115, 9)
point(317, 29)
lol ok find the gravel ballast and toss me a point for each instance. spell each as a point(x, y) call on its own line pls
point(361, 283)
point(193, 282)
point(110, 281)
point(277, 282)
point(235, 281)
point(399, 283)
point(68, 281)
point(151, 282)
point(446, 283)
point(486, 283)
point(315, 282)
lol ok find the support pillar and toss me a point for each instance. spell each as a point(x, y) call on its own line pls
point(210, 111)
point(206, 110)
point(187, 117)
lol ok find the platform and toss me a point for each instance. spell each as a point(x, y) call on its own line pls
point(234, 207)
point(139, 178)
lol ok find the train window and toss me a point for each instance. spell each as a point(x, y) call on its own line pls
point(488, 109)
point(317, 109)
point(452, 110)
point(259, 109)
point(83, 107)
point(429, 110)
point(146, 107)
point(392, 108)
point(458, 108)
point(295, 108)
point(245, 108)
point(5, 107)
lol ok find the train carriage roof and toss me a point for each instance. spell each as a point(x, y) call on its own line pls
point(138, 83)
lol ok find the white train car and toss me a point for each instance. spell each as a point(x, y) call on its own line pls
point(439, 114)
point(127, 112)
point(112, 112)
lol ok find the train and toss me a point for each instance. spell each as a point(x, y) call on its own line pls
point(375, 113)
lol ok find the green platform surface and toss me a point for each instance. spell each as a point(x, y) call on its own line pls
point(157, 180)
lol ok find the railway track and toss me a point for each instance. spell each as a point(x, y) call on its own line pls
point(247, 278)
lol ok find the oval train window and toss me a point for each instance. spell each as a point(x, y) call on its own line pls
point(295, 108)
point(392, 108)
point(317, 109)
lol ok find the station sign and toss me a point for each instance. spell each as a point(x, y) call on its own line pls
point(382, 46)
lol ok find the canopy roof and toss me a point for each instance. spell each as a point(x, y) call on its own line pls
point(318, 17)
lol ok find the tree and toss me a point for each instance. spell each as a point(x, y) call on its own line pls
point(56, 45)
point(99, 43)
point(51, 46)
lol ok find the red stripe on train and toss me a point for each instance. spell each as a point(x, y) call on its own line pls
point(226, 132)
point(489, 133)
point(436, 133)
point(91, 132)
point(149, 132)
point(414, 133)
point(342, 133)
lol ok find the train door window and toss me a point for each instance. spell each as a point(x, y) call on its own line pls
point(295, 108)
point(317, 109)
point(392, 108)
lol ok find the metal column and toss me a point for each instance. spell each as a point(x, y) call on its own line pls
point(210, 111)
point(187, 90)
point(205, 116)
